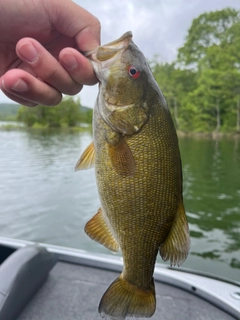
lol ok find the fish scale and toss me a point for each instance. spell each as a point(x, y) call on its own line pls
point(131, 198)
point(139, 179)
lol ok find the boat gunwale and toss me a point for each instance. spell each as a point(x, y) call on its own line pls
point(201, 284)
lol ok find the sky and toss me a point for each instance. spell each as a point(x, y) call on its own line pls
point(159, 26)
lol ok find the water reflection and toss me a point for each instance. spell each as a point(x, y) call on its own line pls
point(43, 199)
point(211, 173)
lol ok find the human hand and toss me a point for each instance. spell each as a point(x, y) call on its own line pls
point(39, 49)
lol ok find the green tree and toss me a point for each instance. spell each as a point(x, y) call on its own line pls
point(232, 46)
point(68, 113)
point(212, 52)
point(175, 84)
point(209, 29)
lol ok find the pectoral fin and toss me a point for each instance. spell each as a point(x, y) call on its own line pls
point(177, 244)
point(98, 230)
point(122, 158)
point(87, 158)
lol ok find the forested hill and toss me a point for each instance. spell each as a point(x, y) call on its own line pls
point(68, 113)
point(202, 87)
point(8, 111)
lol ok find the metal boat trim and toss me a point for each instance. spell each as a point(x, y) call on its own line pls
point(220, 292)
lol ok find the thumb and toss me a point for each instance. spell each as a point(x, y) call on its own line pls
point(73, 21)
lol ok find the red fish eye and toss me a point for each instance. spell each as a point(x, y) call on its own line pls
point(134, 72)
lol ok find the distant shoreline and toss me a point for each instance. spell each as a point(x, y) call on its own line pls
point(212, 135)
point(13, 125)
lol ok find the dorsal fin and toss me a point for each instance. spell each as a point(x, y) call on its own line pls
point(177, 244)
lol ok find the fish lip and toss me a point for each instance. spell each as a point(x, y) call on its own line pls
point(123, 38)
point(102, 57)
point(113, 47)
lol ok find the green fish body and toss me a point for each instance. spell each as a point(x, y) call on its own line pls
point(138, 171)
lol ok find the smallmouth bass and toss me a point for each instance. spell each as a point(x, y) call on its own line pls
point(139, 177)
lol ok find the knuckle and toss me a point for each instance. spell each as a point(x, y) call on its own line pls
point(51, 75)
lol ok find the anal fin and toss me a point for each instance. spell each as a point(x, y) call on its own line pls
point(177, 244)
point(87, 158)
point(98, 230)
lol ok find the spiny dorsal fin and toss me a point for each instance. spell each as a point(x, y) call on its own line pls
point(87, 158)
point(122, 158)
point(98, 230)
point(123, 299)
point(175, 248)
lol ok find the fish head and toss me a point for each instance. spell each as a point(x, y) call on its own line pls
point(124, 77)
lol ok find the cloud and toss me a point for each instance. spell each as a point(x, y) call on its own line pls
point(158, 26)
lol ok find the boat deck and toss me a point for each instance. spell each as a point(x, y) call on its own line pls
point(73, 292)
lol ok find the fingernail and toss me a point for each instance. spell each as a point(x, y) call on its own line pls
point(20, 86)
point(70, 61)
point(29, 52)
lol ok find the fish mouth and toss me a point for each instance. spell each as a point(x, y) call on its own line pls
point(109, 50)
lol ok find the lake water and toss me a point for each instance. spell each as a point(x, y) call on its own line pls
point(42, 198)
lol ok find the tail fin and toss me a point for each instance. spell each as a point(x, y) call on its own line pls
point(123, 299)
